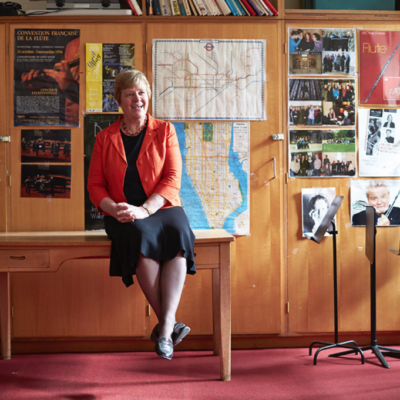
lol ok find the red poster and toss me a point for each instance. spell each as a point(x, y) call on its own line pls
point(379, 67)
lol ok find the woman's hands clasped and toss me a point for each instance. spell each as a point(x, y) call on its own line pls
point(124, 212)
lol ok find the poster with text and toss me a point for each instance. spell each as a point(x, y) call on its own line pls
point(379, 67)
point(93, 124)
point(46, 77)
point(46, 145)
point(379, 142)
point(322, 153)
point(314, 204)
point(104, 61)
point(383, 195)
point(317, 51)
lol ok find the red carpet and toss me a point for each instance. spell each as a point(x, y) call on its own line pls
point(256, 374)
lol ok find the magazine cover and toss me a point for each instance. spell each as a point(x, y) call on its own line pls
point(379, 67)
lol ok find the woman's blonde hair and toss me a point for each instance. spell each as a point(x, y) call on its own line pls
point(128, 79)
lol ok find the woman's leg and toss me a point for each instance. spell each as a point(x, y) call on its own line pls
point(173, 275)
point(148, 276)
point(162, 288)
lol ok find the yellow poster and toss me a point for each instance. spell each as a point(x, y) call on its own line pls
point(104, 61)
point(94, 77)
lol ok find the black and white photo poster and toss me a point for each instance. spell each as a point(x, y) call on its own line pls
point(379, 142)
point(314, 204)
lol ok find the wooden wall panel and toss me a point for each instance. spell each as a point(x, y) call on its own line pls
point(63, 214)
point(256, 260)
point(310, 266)
point(3, 131)
point(80, 299)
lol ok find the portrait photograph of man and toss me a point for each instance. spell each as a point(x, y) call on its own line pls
point(383, 195)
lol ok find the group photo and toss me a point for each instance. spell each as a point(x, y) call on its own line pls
point(46, 181)
point(50, 145)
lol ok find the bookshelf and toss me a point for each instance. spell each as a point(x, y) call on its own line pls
point(292, 9)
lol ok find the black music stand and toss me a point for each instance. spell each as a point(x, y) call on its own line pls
point(328, 221)
point(370, 252)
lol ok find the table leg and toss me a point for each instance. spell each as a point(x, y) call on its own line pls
point(5, 315)
point(216, 301)
point(225, 293)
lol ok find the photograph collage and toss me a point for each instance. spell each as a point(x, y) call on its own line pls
point(315, 51)
point(41, 151)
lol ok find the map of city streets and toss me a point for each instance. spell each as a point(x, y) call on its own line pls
point(210, 79)
point(215, 176)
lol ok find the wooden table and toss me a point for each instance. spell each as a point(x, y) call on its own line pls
point(48, 251)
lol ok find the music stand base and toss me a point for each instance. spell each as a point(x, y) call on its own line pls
point(376, 349)
point(355, 349)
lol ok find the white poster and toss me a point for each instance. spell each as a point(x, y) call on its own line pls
point(379, 142)
point(209, 79)
point(314, 204)
point(383, 195)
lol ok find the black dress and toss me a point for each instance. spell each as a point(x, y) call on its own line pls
point(159, 237)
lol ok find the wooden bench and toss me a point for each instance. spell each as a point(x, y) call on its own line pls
point(48, 251)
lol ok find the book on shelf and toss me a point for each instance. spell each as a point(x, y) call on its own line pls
point(175, 7)
point(239, 7)
point(134, 6)
point(250, 9)
point(224, 7)
point(257, 11)
point(182, 8)
point(165, 8)
point(230, 5)
point(202, 9)
point(156, 7)
point(272, 8)
point(193, 5)
point(244, 7)
point(187, 8)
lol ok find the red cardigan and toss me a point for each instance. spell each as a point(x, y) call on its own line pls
point(159, 164)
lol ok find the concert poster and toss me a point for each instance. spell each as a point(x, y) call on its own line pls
point(46, 181)
point(104, 61)
point(379, 142)
point(46, 77)
point(379, 67)
point(93, 124)
point(46, 145)
point(383, 195)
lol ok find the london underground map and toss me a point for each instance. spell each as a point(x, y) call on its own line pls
point(209, 79)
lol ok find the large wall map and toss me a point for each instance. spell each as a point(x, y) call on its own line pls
point(209, 79)
point(215, 177)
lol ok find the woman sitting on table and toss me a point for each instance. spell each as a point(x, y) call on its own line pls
point(134, 180)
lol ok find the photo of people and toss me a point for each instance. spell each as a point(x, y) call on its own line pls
point(46, 181)
point(322, 153)
point(46, 77)
point(321, 102)
point(383, 195)
point(314, 204)
point(305, 164)
point(338, 63)
point(379, 133)
point(45, 145)
point(314, 51)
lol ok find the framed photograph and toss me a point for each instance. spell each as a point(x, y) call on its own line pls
point(46, 181)
point(45, 145)
point(383, 195)
point(314, 205)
